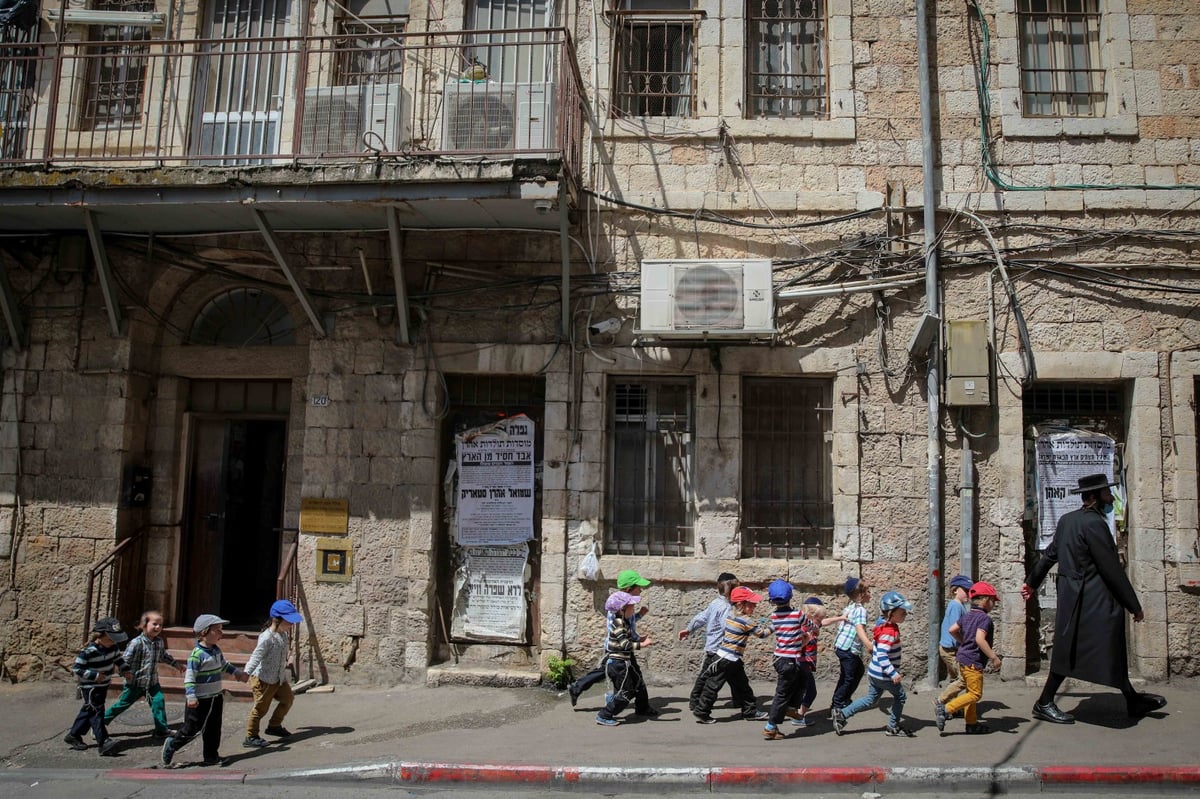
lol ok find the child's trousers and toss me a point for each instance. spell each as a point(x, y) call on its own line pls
point(850, 675)
point(91, 715)
point(955, 685)
point(154, 697)
point(789, 688)
point(722, 671)
point(204, 720)
point(627, 686)
point(968, 701)
point(264, 693)
point(875, 689)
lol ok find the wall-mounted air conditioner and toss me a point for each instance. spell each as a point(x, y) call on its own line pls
point(346, 120)
point(512, 117)
point(707, 299)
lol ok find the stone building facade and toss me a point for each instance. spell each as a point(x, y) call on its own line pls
point(1066, 224)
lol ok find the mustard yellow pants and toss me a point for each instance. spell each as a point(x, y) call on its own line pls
point(264, 694)
point(966, 701)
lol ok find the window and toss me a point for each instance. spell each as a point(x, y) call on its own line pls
point(369, 51)
point(1067, 68)
point(1060, 58)
point(651, 509)
point(243, 318)
point(655, 59)
point(787, 482)
point(116, 79)
point(786, 59)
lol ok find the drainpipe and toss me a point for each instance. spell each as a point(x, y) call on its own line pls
point(967, 501)
point(933, 366)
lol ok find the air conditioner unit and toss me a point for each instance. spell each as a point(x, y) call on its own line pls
point(707, 299)
point(346, 120)
point(484, 115)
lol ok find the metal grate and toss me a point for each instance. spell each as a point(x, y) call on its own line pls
point(1060, 58)
point(787, 485)
point(1070, 400)
point(656, 67)
point(116, 81)
point(494, 391)
point(786, 74)
point(240, 396)
point(650, 494)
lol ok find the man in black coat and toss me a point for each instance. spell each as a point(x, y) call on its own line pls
point(1093, 596)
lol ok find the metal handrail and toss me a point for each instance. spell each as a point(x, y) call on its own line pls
point(287, 586)
point(110, 567)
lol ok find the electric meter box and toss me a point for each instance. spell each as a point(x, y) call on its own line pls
point(968, 363)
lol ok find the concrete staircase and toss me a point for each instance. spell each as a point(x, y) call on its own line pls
point(236, 645)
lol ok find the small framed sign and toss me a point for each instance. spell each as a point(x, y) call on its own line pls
point(334, 560)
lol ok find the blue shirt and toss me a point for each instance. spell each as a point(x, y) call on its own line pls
point(954, 611)
point(712, 619)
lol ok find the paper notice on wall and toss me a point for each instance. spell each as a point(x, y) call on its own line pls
point(1064, 456)
point(495, 483)
point(489, 596)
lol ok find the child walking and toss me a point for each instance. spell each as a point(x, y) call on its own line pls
point(712, 620)
point(727, 666)
point(852, 640)
point(626, 679)
point(142, 657)
point(630, 582)
point(94, 666)
point(974, 653)
point(815, 618)
point(267, 668)
point(202, 685)
point(960, 586)
point(790, 637)
point(883, 673)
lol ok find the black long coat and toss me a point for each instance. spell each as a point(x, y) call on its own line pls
point(1093, 597)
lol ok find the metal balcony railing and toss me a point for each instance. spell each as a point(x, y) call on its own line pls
point(292, 100)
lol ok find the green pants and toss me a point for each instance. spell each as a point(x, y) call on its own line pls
point(131, 694)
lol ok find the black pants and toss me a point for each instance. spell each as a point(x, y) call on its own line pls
point(698, 686)
point(205, 720)
point(849, 676)
point(91, 715)
point(789, 686)
point(722, 671)
point(628, 685)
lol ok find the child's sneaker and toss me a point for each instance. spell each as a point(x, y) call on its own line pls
point(75, 742)
point(939, 715)
point(978, 729)
point(898, 731)
point(106, 747)
point(772, 733)
point(801, 721)
point(839, 721)
point(607, 722)
point(168, 752)
point(254, 742)
point(758, 715)
point(700, 719)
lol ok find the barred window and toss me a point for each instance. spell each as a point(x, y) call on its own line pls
point(116, 80)
point(650, 496)
point(655, 59)
point(787, 480)
point(1061, 73)
point(786, 70)
point(369, 51)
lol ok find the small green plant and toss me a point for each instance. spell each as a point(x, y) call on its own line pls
point(559, 672)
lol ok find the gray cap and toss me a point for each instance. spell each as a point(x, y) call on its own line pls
point(206, 620)
point(111, 627)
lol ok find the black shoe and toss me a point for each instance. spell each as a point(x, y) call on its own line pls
point(216, 761)
point(108, 747)
point(278, 732)
point(573, 692)
point(75, 742)
point(1050, 712)
point(1145, 704)
point(979, 728)
point(253, 742)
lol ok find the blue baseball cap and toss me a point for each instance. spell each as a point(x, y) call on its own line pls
point(283, 609)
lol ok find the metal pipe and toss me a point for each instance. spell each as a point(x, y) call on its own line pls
point(967, 508)
point(852, 287)
point(933, 367)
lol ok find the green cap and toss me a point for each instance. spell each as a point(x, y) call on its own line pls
point(629, 578)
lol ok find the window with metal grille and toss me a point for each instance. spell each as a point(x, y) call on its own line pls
point(1061, 75)
point(787, 478)
point(656, 59)
point(650, 490)
point(1051, 400)
point(116, 79)
point(785, 50)
point(369, 51)
point(243, 317)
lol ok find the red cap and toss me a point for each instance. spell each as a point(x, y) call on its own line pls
point(744, 594)
point(983, 589)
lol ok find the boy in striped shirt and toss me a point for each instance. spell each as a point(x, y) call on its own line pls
point(94, 666)
point(727, 665)
point(202, 685)
point(790, 639)
point(883, 672)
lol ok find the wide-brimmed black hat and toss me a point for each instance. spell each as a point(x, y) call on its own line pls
point(1093, 482)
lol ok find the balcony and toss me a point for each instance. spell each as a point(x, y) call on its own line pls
point(466, 127)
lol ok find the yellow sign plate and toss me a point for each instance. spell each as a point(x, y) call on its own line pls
point(324, 516)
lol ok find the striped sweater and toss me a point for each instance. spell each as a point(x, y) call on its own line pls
point(622, 641)
point(205, 666)
point(788, 626)
point(738, 630)
point(95, 661)
point(885, 657)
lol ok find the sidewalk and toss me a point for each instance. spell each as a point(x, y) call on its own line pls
point(412, 734)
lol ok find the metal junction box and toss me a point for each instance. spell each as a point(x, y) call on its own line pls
point(968, 363)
